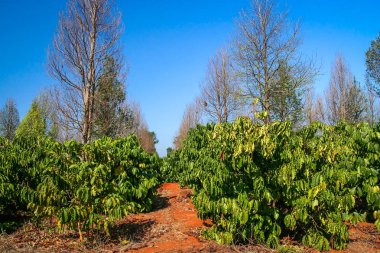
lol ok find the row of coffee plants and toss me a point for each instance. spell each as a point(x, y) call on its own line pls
point(263, 182)
point(83, 187)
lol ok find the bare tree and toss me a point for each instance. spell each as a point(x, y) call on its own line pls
point(345, 99)
point(9, 119)
point(138, 126)
point(314, 108)
point(87, 33)
point(138, 119)
point(265, 39)
point(220, 92)
point(309, 107)
point(147, 139)
point(372, 109)
point(336, 97)
point(319, 110)
point(191, 117)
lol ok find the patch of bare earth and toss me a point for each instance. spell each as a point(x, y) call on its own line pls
point(172, 226)
point(364, 237)
point(175, 226)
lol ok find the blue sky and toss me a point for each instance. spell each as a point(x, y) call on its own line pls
point(167, 45)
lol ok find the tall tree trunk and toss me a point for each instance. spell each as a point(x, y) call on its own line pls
point(88, 32)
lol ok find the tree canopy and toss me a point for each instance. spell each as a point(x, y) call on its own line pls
point(373, 65)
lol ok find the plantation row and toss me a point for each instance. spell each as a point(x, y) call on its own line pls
point(261, 183)
point(255, 182)
point(86, 187)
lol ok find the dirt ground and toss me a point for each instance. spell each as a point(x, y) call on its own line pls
point(172, 226)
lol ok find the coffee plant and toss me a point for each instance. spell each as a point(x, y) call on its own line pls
point(262, 182)
point(84, 187)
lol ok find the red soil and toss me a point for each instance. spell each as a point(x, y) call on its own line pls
point(364, 237)
point(180, 221)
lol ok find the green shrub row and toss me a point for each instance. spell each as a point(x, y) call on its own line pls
point(263, 182)
point(85, 187)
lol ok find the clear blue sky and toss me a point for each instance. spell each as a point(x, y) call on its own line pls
point(168, 43)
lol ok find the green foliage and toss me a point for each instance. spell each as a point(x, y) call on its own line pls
point(286, 100)
point(111, 114)
point(261, 182)
point(33, 124)
point(19, 161)
point(290, 249)
point(47, 106)
point(357, 103)
point(373, 65)
point(82, 186)
point(169, 171)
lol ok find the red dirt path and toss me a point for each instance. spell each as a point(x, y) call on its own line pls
point(178, 220)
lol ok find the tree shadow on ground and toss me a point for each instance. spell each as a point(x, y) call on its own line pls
point(160, 202)
point(9, 223)
point(132, 231)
